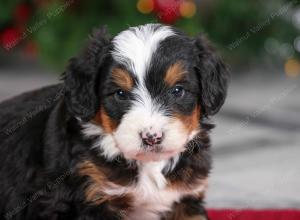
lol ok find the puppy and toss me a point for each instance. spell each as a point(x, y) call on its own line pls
point(124, 137)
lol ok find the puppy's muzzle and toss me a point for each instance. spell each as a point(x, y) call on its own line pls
point(151, 137)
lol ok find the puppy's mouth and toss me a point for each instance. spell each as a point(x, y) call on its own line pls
point(154, 156)
point(153, 153)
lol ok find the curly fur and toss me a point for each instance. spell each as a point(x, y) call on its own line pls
point(50, 170)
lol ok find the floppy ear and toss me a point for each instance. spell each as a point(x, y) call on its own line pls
point(81, 77)
point(212, 75)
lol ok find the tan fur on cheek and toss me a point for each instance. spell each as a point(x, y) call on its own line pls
point(123, 79)
point(108, 124)
point(191, 122)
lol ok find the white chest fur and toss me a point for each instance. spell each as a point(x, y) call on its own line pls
point(152, 196)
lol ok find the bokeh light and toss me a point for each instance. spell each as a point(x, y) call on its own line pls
point(292, 68)
point(297, 44)
point(188, 9)
point(286, 50)
point(271, 46)
point(296, 19)
point(145, 6)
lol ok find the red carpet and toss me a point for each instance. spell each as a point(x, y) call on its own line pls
point(254, 214)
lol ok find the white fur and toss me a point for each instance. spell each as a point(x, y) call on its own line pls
point(170, 166)
point(144, 115)
point(106, 142)
point(134, 47)
point(151, 194)
point(193, 134)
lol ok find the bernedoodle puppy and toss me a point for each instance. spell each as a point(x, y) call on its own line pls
point(124, 137)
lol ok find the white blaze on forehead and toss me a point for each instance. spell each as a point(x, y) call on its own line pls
point(134, 47)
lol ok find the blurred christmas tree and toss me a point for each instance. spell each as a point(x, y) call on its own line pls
point(56, 29)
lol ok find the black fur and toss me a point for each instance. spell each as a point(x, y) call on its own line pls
point(83, 76)
point(163, 58)
point(213, 76)
point(41, 144)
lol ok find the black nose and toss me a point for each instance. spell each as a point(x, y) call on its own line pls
point(151, 138)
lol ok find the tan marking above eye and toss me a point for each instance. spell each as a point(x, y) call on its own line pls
point(174, 74)
point(122, 78)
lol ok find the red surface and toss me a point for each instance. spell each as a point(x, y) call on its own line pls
point(254, 214)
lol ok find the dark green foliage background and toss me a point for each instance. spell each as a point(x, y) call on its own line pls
point(224, 21)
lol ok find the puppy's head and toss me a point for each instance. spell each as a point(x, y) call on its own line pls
point(145, 90)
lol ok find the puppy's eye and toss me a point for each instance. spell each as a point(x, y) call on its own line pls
point(178, 91)
point(121, 95)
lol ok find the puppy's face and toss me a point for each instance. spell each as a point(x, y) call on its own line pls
point(150, 93)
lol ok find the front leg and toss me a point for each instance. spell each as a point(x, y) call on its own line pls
point(187, 209)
